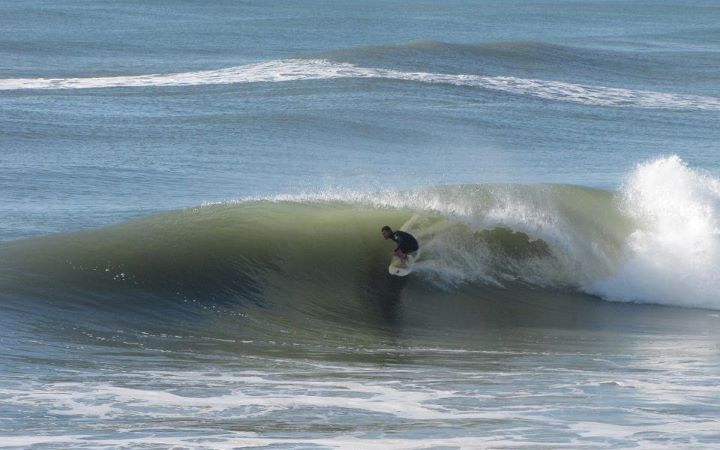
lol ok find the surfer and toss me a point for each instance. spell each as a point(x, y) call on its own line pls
point(406, 242)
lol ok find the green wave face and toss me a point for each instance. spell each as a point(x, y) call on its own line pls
point(491, 235)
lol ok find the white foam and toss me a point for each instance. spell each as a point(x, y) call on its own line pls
point(318, 69)
point(262, 395)
point(192, 409)
point(235, 440)
point(673, 257)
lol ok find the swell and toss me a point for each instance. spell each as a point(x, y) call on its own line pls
point(517, 56)
point(297, 70)
point(539, 58)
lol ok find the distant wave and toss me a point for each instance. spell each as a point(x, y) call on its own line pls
point(656, 241)
point(320, 69)
point(508, 54)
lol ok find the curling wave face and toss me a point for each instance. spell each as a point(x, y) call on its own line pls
point(655, 241)
point(320, 69)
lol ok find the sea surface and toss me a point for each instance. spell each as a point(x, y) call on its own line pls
point(191, 196)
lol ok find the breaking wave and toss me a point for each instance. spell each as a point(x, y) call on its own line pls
point(657, 240)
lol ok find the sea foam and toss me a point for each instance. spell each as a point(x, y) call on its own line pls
point(673, 257)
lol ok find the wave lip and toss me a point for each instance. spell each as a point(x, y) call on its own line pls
point(319, 69)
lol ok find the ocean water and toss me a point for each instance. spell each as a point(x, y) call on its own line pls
point(191, 196)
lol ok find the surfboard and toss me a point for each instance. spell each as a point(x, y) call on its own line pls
point(399, 268)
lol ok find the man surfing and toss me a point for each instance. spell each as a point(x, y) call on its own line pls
point(406, 242)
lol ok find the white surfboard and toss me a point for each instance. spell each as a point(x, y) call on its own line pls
point(399, 268)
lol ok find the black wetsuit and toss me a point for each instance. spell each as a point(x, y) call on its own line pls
point(406, 243)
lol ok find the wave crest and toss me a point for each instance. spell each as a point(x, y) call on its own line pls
point(319, 69)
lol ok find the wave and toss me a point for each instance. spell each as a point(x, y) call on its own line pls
point(490, 54)
point(536, 57)
point(657, 240)
point(321, 69)
point(520, 56)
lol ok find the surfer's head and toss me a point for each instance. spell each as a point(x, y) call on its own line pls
point(386, 232)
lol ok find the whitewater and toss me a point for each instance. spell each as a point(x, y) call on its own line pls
point(304, 70)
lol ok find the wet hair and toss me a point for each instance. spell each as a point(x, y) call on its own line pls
point(386, 228)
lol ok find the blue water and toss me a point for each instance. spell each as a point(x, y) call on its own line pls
point(81, 158)
point(471, 115)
